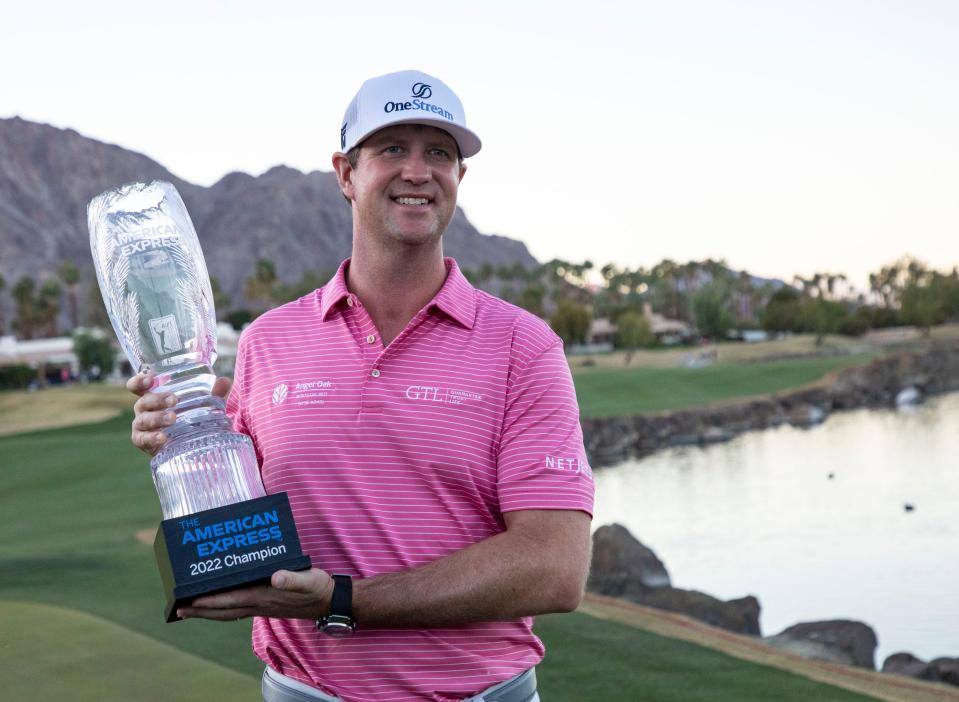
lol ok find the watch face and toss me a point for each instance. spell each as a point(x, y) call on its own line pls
point(337, 630)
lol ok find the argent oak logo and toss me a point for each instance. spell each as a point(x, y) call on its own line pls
point(279, 394)
point(422, 90)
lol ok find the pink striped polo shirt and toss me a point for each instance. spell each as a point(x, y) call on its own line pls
point(394, 457)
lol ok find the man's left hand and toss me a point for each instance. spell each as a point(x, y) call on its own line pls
point(290, 595)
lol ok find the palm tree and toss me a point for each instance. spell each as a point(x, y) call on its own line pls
point(70, 275)
point(26, 306)
point(260, 286)
point(48, 306)
point(3, 324)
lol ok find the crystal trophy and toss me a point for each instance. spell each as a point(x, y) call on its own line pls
point(220, 529)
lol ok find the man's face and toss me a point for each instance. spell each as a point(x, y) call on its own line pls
point(404, 184)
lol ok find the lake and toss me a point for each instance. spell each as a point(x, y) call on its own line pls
point(760, 515)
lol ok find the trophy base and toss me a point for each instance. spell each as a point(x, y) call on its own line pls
point(225, 548)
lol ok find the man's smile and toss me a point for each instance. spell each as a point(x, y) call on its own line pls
point(407, 200)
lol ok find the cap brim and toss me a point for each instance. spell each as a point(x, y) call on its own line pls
point(469, 144)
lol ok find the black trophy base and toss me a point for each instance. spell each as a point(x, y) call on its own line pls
point(225, 548)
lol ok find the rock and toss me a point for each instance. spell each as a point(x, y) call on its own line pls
point(908, 397)
point(944, 670)
point(904, 663)
point(739, 615)
point(715, 435)
point(623, 567)
point(621, 563)
point(806, 416)
point(837, 641)
point(877, 384)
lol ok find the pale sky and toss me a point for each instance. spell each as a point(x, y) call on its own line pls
point(786, 137)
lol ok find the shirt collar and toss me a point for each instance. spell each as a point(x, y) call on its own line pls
point(334, 291)
point(457, 297)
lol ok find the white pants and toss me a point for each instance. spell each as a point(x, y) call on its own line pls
point(286, 689)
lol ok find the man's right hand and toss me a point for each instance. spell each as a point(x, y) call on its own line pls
point(154, 411)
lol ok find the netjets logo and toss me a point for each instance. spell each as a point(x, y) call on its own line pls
point(279, 394)
point(422, 90)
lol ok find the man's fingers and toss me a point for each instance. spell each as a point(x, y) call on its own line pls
point(148, 441)
point(221, 388)
point(232, 599)
point(220, 615)
point(309, 582)
point(140, 383)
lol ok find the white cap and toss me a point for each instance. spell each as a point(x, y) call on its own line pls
point(406, 97)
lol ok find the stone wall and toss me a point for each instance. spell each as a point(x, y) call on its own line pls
point(931, 372)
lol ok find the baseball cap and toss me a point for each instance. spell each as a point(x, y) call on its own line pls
point(406, 97)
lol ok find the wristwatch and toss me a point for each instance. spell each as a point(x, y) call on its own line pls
point(339, 622)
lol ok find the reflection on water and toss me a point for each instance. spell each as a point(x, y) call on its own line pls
point(760, 515)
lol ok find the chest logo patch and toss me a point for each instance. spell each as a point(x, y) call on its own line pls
point(449, 396)
point(309, 392)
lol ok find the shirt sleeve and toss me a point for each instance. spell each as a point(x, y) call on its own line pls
point(542, 463)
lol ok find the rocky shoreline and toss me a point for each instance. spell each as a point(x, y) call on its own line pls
point(877, 384)
point(623, 567)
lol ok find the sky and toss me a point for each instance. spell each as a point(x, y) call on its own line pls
point(786, 137)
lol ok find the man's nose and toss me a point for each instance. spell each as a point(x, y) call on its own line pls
point(416, 169)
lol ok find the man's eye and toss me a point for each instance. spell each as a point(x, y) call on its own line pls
point(439, 153)
point(392, 149)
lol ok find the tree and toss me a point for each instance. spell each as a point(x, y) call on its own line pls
point(94, 354)
point(633, 331)
point(23, 295)
point(3, 322)
point(48, 306)
point(783, 312)
point(709, 311)
point(221, 300)
point(260, 286)
point(531, 299)
point(96, 316)
point(70, 275)
point(920, 307)
point(571, 322)
point(822, 316)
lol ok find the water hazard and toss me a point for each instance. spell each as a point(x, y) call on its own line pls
point(761, 515)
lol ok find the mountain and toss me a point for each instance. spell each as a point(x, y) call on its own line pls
point(298, 220)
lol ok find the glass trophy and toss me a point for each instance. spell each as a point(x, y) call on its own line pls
point(220, 529)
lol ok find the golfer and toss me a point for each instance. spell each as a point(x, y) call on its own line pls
point(427, 434)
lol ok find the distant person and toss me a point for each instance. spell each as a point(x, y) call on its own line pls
point(427, 434)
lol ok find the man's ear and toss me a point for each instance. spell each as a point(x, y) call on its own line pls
point(462, 171)
point(344, 174)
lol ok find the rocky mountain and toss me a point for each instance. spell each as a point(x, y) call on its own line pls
point(298, 220)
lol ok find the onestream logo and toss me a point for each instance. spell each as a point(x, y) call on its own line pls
point(422, 90)
point(421, 93)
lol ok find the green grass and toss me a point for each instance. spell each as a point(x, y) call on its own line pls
point(61, 654)
point(73, 500)
point(625, 391)
point(593, 659)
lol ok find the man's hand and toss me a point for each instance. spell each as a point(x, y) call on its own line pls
point(290, 595)
point(154, 411)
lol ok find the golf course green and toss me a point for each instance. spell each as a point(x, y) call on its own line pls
point(80, 602)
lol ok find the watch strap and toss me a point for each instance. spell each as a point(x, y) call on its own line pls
point(339, 622)
point(341, 604)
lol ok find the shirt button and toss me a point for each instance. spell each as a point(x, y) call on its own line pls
point(375, 373)
point(349, 300)
point(371, 338)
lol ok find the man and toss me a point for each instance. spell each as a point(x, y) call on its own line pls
point(427, 434)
